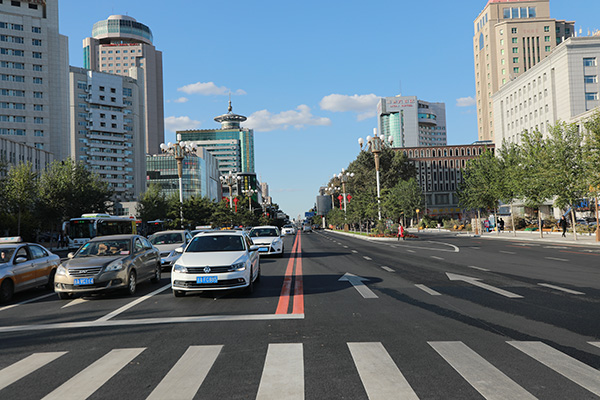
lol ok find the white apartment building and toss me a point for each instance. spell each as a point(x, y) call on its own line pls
point(14, 153)
point(33, 76)
point(563, 86)
point(106, 120)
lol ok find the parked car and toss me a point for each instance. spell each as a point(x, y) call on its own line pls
point(24, 266)
point(217, 260)
point(167, 241)
point(268, 239)
point(108, 263)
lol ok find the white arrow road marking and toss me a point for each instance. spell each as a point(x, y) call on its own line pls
point(357, 282)
point(560, 288)
point(475, 282)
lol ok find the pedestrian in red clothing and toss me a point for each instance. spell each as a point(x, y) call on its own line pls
point(401, 232)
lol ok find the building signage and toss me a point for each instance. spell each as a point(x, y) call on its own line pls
point(397, 104)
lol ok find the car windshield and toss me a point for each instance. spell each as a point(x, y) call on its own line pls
point(104, 248)
point(166, 238)
point(209, 243)
point(262, 232)
point(6, 254)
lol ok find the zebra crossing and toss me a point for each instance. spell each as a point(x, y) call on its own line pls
point(283, 371)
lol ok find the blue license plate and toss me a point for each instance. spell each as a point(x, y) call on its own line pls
point(264, 249)
point(207, 279)
point(83, 281)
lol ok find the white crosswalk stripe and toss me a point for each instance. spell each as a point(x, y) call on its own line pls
point(26, 366)
point(94, 376)
point(283, 374)
point(483, 376)
point(578, 372)
point(380, 376)
point(185, 378)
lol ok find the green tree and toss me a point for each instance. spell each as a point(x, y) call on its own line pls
point(152, 204)
point(401, 201)
point(21, 191)
point(509, 157)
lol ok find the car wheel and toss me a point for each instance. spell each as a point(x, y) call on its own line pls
point(157, 274)
point(50, 284)
point(250, 288)
point(6, 291)
point(64, 296)
point(178, 293)
point(131, 283)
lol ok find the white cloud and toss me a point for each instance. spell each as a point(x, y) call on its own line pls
point(180, 100)
point(265, 121)
point(465, 102)
point(180, 123)
point(365, 105)
point(209, 89)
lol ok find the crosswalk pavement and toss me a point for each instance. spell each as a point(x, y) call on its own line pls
point(283, 371)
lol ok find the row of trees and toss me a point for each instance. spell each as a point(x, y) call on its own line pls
point(563, 166)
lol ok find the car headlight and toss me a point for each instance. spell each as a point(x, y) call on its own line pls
point(61, 270)
point(238, 266)
point(180, 268)
point(114, 266)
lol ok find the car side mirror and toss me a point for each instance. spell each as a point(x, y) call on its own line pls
point(70, 255)
point(179, 250)
point(254, 248)
point(20, 260)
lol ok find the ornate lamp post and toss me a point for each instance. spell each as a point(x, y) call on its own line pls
point(249, 193)
point(230, 180)
point(343, 177)
point(375, 145)
point(179, 150)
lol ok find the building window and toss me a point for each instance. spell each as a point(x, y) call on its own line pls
point(515, 50)
point(515, 40)
point(589, 62)
point(36, 29)
point(590, 79)
point(516, 70)
point(516, 60)
point(591, 96)
point(513, 30)
point(37, 80)
point(36, 42)
point(546, 28)
point(547, 48)
point(37, 55)
point(546, 38)
point(38, 68)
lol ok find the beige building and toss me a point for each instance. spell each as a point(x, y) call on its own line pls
point(34, 73)
point(120, 45)
point(510, 37)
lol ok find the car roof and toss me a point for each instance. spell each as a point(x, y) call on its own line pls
point(172, 231)
point(223, 233)
point(265, 227)
point(113, 237)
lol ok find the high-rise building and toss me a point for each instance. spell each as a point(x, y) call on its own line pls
point(412, 122)
point(510, 37)
point(106, 135)
point(121, 45)
point(232, 145)
point(34, 71)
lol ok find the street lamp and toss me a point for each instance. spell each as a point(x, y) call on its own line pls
point(249, 193)
point(375, 145)
point(230, 180)
point(343, 177)
point(179, 150)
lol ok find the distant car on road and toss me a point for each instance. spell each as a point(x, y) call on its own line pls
point(217, 260)
point(24, 266)
point(268, 239)
point(108, 263)
point(166, 242)
point(288, 230)
point(306, 228)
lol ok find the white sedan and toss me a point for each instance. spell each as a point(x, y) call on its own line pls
point(268, 239)
point(216, 260)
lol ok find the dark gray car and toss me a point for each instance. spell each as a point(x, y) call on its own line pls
point(108, 263)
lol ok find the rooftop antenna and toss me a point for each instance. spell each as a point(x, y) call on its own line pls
point(230, 108)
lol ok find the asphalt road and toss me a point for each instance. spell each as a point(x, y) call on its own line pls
point(439, 317)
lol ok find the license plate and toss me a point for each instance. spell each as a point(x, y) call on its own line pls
point(263, 249)
point(207, 279)
point(83, 281)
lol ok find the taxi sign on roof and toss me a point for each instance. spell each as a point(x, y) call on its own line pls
point(11, 239)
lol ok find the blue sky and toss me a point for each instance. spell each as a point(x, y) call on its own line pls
point(307, 74)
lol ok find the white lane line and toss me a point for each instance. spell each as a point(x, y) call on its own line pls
point(475, 282)
point(22, 368)
point(149, 321)
point(507, 252)
point(283, 374)
point(345, 247)
point(556, 259)
point(94, 376)
point(560, 288)
point(27, 301)
point(410, 251)
point(367, 258)
point(572, 369)
point(388, 269)
point(437, 258)
point(489, 381)
point(475, 247)
point(186, 377)
point(74, 302)
point(597, 344)
point(132, 304)
point(354, 251)
point(478, 268)
point(428, 290)
point(379, 374)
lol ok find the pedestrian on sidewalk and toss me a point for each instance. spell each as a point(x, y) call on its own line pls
point(401, 232)
point(563, 225)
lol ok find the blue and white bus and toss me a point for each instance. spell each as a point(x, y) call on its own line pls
point(88, 226)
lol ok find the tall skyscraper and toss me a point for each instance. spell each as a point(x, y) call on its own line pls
point(34, 70)
point(412, 122)
point(510, 37)
point(121, 45)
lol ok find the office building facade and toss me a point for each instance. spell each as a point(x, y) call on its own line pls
point(120, 45)
point(33, 76)
point(14, 153)
point(510, 37)
point(564, 86)
point(412, 122)
point(106, 135)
